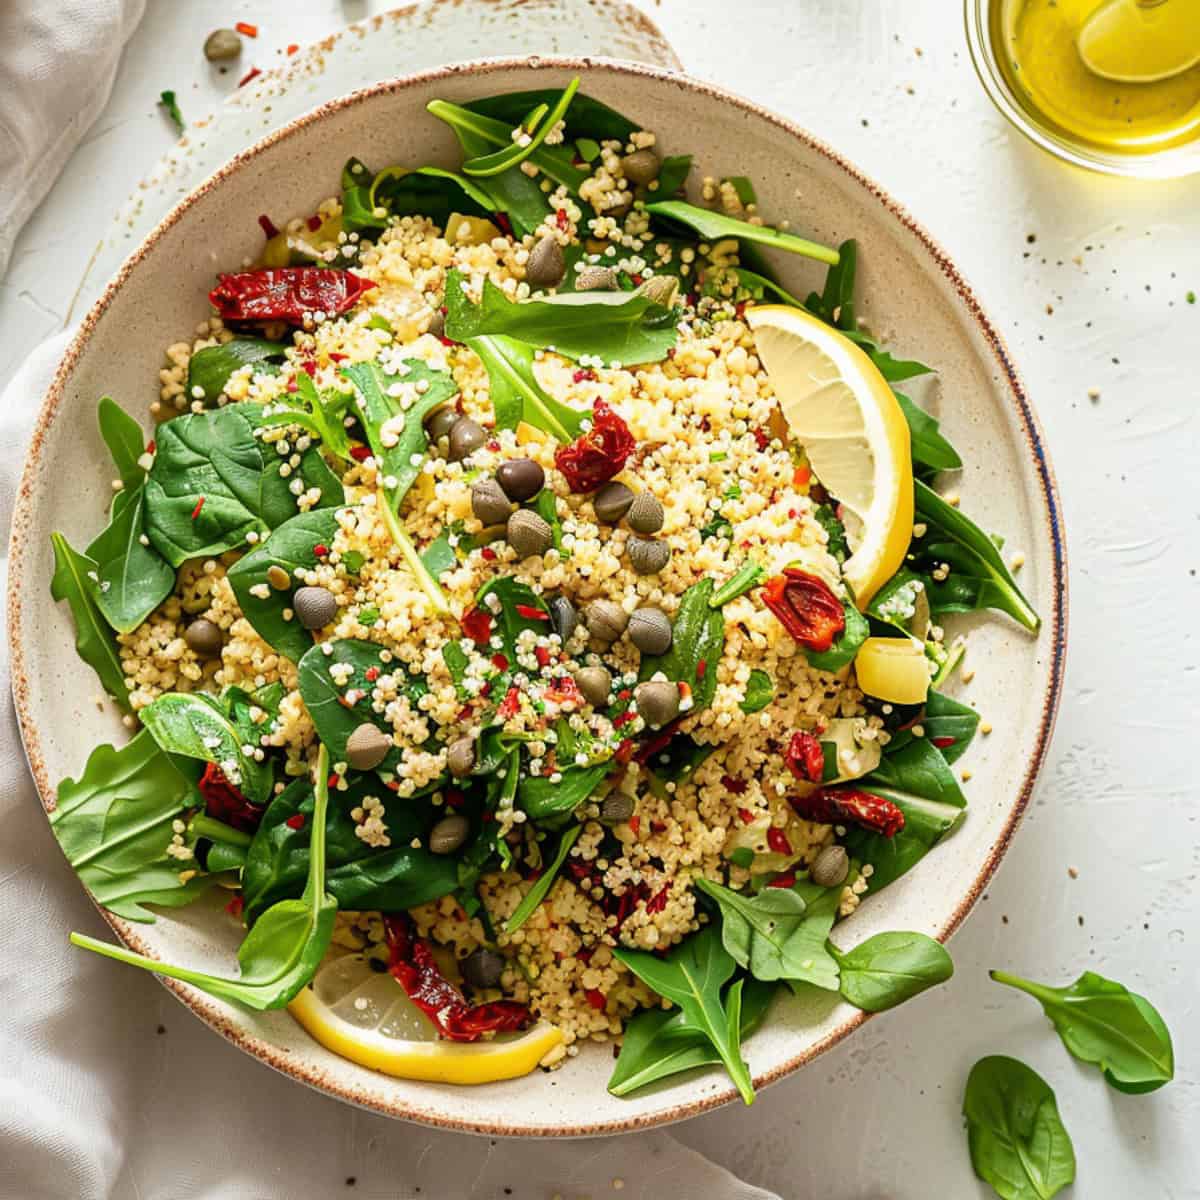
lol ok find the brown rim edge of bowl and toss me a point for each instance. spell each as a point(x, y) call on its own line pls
point(1051, 513)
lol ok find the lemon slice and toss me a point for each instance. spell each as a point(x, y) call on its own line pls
point(841, 410)
point(893, 669)
point(365, 1016)
point(1132, 42)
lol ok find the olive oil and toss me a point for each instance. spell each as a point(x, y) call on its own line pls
point(1040, 46)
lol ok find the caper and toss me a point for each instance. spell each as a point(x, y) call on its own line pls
point(528, 534)
point(596, 279)
point(612, 502)
point(449, 834)
point(482, 968)
point(367, 747)
point(546, 264)
point(645, 513)
point(489, 503)
point(439, 422)
point(650, 630)
point(278, 578)
point(564, 617)
point(648, 556)
point(222, 44)
point(521, 478)
point(460, 757)
point(606, 620)
point(830, 867)
point(315, 606)
point(617, 807)
point(466, 436)
point(660, 289)
point(437, 323)
point(595, 683)
point(657, 702)
point(641, 167)
point(204, 638)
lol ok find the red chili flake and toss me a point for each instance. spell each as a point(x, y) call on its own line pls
point(291, 384)
point(657, 826)
point(287, 293)
point(597, 456)
point(635, 824)
point(624, 694)
point(334, 356)
point(499, 662)
point(564, 691)
point(584, 374)
point(295, 821)
point(246, 29)
point(542, 655)
point(488, 554)
point(454, 798)
point(943, 743)
point(199, 506)
point(253, 73)
point(746, 816)
point(658, 901)
point(151, 446)
point(476, 624)
point(657, 743)
point(393, 784)
point(441, 337)
point(313, 223)
point(486, 690)
point(739, 309)
point(510, 705)
point(584, 954)
point(701, 668)
point(320, 549)
point(309, 367)
point(806, 608)
point(560, 218)
point(738, 787)
point(622, 719)
point(293, 47)
point(504, 224)
point(805, 758)
point(223, 801)
point(360, 453)
point(595, 997)
point(762, 439)
point(530, 613)
point(493, 445)
point(372, 674)
point(413, 965)
point(786, 880)
point(792, 514)
point(830, 805)
point(236, 904)
point(333, 780)
point(778, 842)
point(268, 226)
point(623, 753)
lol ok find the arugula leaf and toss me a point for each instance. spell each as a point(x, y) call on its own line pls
point(210, 369)
point(1101, 1021)
point(835, 304)
point(125, 441)
point(585, 118)
point(847, 643)
point(1017, 1140)
point(760, 691)
point(131, 579)
point(74, 574)
point(930, 449)
point(114, 826)
point(192, 724)
point(519, 149)
point(285, 947)
point(167, 102)
point(692, 977)
point(889, 968)
point(213, 481)
point(357, 875)
point(289, 547)
point(542, 799)
point(541, 885)
point(516, 394)
point(323, 416)
point(714, 226)
point(698, 636)
point(619, 327)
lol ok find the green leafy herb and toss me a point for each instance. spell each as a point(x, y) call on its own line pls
point(917, 767)
point(699, 637)
point(541, 886)
point(131, 578)
point(672, 174)
point(439, 556)
point(845, 645)
point(170, 106)
point(835, 531)
point(516, 394)
point(518, 150)
point(889, 968)
point(125, 441)
point(745, 579)
point(114, 826)
point(930, 450)
point(948, 724)
point(585, 118)
point(740, 283)
point(715, 225)
point(322, 414)
point(542, 799)
point(210, 369)
point(760, 691)
point(835, 304)
point(285, 947)
point(692, 977)
point(926, 822)
point(1100, 1021)
point(1017, 1140)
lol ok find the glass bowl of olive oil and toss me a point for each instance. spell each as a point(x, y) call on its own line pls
point(1112, 85)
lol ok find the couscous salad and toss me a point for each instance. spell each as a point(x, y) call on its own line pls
point(529, 617)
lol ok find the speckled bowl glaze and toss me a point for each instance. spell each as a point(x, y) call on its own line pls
point(911, 293)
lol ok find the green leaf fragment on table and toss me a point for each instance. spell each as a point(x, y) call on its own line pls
point(1016, 1138)
point(114, 824)
point(698, 637)
point(1102, 1022)
point(170, 105)
point(889, 968)
point(541, 886)
point(714, 226)
point(210, 369)
point(760, 691)
point(516, 394)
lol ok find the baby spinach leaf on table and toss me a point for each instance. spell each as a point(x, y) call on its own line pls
point(846, 645)
point(662, 1042)
point(542, 799)
point(132, 579)
point(622, 327)
point(520, 148)
point(1017, 1140)
point(926, 822)
point(714, 226)
point(114, 824)
point(889, 968)
point(585, 118)
point(289, 547)
point(125, 441)
point(73, 581)
point(192, 724)
point(210, 369)
point(1101, 1021)
point(930, 450)
point(760, 691)
point(285, 947)
point(692, 976)
point(213, 481)
point(698, 636)
point(516, 394)
point(541, 886)
point(357, 875)
point(170, 106)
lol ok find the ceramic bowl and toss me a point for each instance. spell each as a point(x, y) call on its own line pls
point(910, 292)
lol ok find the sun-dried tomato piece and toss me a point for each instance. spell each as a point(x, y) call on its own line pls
point(806, 607)
point(477, 625)
point(777, 840)
point(830, 805)
point(805, 758)
point(224, 802)
point(595, 457)
point(287, 293)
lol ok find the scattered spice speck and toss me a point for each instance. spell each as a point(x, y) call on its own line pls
point(1073, 872)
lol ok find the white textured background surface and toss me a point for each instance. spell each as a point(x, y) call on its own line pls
point(1087, 277)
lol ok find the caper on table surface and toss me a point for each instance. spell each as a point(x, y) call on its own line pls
point(439, 423)
point(641, 167)
point(222, 45)
point(564, 617)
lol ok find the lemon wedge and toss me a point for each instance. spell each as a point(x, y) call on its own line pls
point(893, 669)
point(841, 410)
point(1141, 42)
point(365, 1016)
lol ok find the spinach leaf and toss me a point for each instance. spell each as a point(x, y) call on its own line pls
point(213, 481)
point(1100, 1021)
point(835, 304)
point(585, 118)
point(358, 213)
point(745, 579)
point(508, 622)
point(289, 547)
point(512, 191)
point(210, 369)
point(285, 947)
point(889, 968)
point(678, 761)
point(114, 826)
point(125, 441)
point(439, 556)
point(949, 725)
point(661, 1042)
point(359, 876)
point(760, 691)
point(699, 636)
point(519, 149)
point(846, 645)
point(192, 724)
point(74, 575)
point(516, 394)
point(541, 886)
point(901, 602)
point(672, 174)
point(618, 327)
point(917, 768)
point(170, 105)
point(1017, 1140)
point(692, 977)
point(930, 449)
point(926, 822)
point(714, 226)
point(740, 283)
point(811, 939)
point(542, 799)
